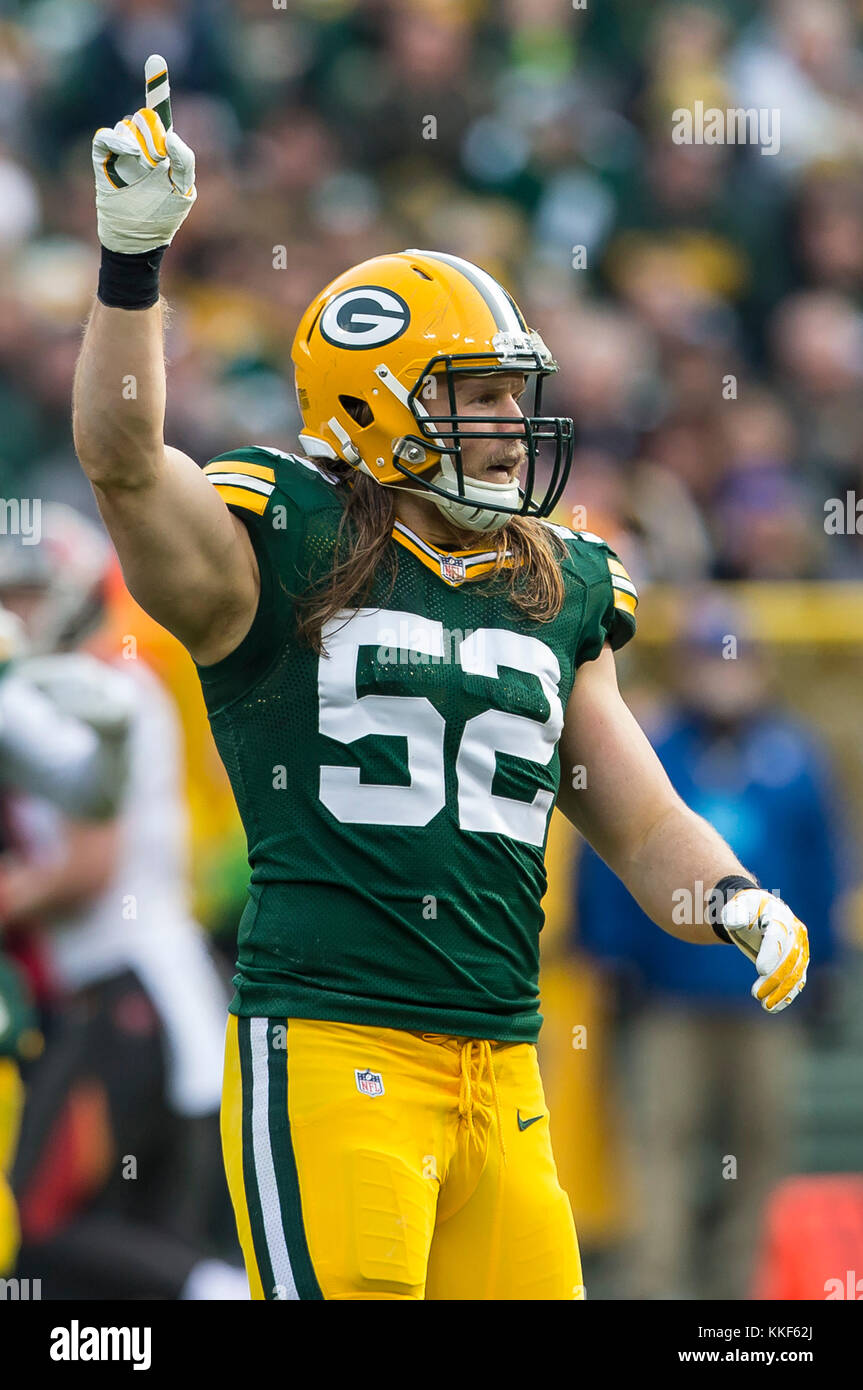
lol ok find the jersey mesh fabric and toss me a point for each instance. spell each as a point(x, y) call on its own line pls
point(432, 925)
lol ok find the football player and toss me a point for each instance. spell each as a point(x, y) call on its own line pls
point(46, 751)
point(135, 1027)
point(76, 759)
point(405, 666)
point(19, 1039)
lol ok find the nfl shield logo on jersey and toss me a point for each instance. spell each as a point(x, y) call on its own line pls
point(453, 568)
point(369, 1082)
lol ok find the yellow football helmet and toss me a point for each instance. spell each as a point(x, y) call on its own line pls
point(382, 340)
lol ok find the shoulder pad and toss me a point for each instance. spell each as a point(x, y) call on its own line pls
point(595, 561)
point(563, 531)
point(84, 687)
point(253, 477)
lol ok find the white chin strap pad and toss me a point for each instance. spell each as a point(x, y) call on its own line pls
point(474, 517)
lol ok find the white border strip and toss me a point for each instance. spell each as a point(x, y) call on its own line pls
point(265, 1172)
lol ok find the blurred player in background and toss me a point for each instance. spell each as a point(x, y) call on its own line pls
point(115, 1172)
point(48, 752)
point(19, 1040)
point(384, 1124)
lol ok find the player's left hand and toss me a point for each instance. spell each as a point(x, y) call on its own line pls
point(766, 930)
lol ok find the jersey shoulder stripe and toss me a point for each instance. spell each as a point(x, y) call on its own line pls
point(248, 473)
point(254, 477)
point(240, 484)
point(625, 592)
point(621, 581)
point(598, 567)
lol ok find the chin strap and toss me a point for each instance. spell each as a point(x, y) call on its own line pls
point(473, 510)
point(472, 518)
point(463, 511)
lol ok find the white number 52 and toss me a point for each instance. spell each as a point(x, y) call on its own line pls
point(345, 717)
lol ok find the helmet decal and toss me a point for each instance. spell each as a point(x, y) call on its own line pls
point(366, 316)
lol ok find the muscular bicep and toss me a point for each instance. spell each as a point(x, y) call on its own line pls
point(185, 557)
point(612, 785)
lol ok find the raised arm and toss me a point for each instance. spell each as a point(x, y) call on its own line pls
point(186, 559)
point(667, 856)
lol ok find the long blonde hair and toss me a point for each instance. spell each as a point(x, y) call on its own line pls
point(363, 550)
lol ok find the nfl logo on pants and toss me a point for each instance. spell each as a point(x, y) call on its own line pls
point(369, 1082)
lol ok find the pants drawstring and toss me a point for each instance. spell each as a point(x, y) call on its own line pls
point(466, 1095)
point(465, 1099)
point(465, 1106)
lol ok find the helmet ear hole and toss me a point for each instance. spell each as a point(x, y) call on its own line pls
point(359, 410)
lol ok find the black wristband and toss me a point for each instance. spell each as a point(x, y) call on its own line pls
point(722, 893)
point(130, 282)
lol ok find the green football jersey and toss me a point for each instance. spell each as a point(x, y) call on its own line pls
point(19, 1035)
point(396, 792)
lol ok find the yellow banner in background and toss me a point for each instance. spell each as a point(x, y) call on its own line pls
point(809, 614)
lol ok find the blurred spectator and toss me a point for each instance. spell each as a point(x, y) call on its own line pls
point(829, 227)
point(802, 59)
point(817, 340)
point(514, 136)
point(711, 1075)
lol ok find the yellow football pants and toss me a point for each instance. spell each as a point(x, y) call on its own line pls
point(375, 1163)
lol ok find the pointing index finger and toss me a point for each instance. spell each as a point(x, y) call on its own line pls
point(158, 88)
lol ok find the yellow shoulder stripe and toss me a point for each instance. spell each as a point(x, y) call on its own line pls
point(251, 470)
point(242, 497)
point(628, 602)
point(625, 594)
point(617, 568)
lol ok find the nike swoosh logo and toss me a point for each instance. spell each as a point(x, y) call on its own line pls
point(526, 1124)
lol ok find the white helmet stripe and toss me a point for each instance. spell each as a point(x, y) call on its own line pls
point(506, 315)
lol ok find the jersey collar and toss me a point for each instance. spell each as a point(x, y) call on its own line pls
point(454, 567)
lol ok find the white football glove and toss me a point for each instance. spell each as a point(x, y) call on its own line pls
point(766, 930)
point(145, 174)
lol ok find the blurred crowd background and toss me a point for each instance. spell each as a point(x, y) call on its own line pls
point(550, 130)
point(704, 305)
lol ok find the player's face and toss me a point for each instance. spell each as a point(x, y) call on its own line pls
point(492, 397)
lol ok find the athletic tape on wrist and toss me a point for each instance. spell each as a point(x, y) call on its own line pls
point(721, 894)
point(130, 281)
